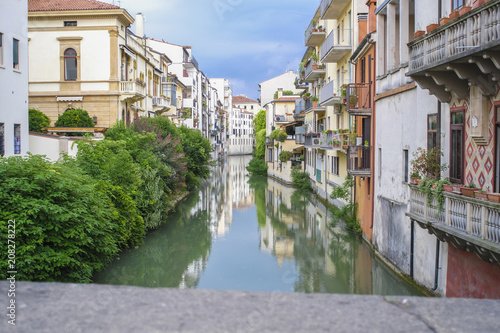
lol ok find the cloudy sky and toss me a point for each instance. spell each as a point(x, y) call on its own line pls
point(245, 41)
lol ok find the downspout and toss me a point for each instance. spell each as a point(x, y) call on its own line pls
point(436, 271)
point(374, 125)
point(412, 246)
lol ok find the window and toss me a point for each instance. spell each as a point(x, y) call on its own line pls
point(17, 139)
point(70, 65)
point(406, 165)
point(2, 139)
point(363, 70)
point(456, 4)
point(456, 146)
point(335, 165)
point(431, 131)
point(1, 49)
point(70, 23)
point(15, 53)
point(251, 107)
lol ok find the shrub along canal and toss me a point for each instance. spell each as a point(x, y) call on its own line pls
point(240, 233)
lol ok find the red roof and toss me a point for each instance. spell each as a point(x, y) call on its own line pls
point(53, 5)
point(243, 99)
point(287, 99)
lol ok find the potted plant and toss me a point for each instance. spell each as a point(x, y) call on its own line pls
point(443, 20)
point(494, 197)
point(314, 101)
point(320, 28)
point(353, 100)
point(468, 191)
point(367, 144)
point(415, 177)
point(481, 195)
point(426, 162)
point(464, 10)
point(306, 96)
point(431, 27)
point(418, 34)
point(454, 14)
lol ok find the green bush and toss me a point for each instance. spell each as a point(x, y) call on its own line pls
point(260, 144)
point(37, 120)
point(285, 155)
point(259, 122)
point(64, 224)
point(346, 213)
point(278, 135)
point(74, 118)
point(301, 179)
point(257, 167)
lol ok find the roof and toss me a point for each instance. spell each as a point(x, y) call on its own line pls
point(56, 5)
point(287, 99)
point(243, 99)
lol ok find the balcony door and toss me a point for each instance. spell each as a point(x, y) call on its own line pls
point(457, 146)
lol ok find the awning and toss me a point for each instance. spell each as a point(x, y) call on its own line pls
point(290, 124)
point(298, 147)
point(70, 99)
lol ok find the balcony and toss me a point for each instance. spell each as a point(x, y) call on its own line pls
point(331, 9)
point(359, 161)
point(314, 36)
point(300, 138)
point(459, 54)
point(190, 61)
point(314, 71)
point(359, 99)
point(160, 104)
point(312, 140)
point(336, 46)
point(328, 95)
point(269, 141)
point(132, 91)
point(283, 119)
point(299, 84)
point(469, 224)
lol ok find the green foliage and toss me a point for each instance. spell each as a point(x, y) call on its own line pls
point(259, 122)
point(74, 118)
point(285, 93)
point(37, 120)
point(260, 144)
point(65, 228)
point(278, 135)
point(285, 155)
point(426, 162)
point(257, 167)
point(301, 179)
point(346, 213)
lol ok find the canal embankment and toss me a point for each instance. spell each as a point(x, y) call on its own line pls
point(57, 307)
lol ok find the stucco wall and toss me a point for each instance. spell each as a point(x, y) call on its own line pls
point(52, 146)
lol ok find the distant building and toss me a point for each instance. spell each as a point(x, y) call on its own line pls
point(285, 81)
point(14, 78)
point(241, 133)
point(246, 104)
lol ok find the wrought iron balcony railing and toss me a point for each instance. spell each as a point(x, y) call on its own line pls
point(359, 161)
point(359, 99)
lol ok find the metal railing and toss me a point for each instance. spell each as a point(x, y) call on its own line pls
point(190, 60)
point(358, 159)
point(309, 32)
point(358, 98)
point(313, 66)
point(337, 38)
point(475, 29)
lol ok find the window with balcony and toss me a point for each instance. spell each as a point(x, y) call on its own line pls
point(457, 146)
point(70, 65)
point(15, 53)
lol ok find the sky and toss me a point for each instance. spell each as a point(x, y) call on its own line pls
point(244, 41)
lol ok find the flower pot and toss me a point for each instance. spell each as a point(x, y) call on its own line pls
point(481, 196)
point(419, 33)
point(464, 10)
point(444, 20)
point(315, 67)
point(415, 180)
point(315, 104)
point(469, 192)
point(448, 188)
point(494, 197)
point(454, 14)
point(478, 3)
point(431, 27)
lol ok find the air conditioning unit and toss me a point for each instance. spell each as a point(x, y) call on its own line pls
point(280, 118)
point(316, 142)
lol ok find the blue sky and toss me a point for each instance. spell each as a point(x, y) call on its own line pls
point(245, 41)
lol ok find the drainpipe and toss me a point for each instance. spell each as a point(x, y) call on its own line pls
point(412, 246)
point(436, 272)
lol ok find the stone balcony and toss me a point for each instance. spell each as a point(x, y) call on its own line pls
point(459, 54)
point(161, 104)
point(132, 91)
point(469, 224)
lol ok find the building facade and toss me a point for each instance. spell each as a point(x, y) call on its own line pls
point(285, 81)
point(14, 78)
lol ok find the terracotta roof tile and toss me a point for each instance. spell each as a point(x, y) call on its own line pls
point(287, 99)
point(53, 5)
point(243, 99)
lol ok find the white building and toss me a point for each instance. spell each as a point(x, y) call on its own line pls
point(247, 104)
point(284, 81)
point(14, 78)
point(241, 132)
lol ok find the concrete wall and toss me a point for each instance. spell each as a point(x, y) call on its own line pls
point(14, 82)
point(52, 146)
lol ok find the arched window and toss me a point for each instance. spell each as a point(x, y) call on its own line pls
point(70, 69)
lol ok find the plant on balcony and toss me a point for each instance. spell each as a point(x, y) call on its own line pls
point(454, 14)
point(426, 162)
point(278, 135)
point(306, 96)
point(322, 66)
point(140, 82)
point(162, 95)
point(431, 27)
point(415, 178)
point(314, 56)
point(464, 10)
point(481, 195)
point(320, 28)
point(285, 155)
point(469, 190)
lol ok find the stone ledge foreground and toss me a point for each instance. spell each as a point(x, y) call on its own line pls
point(56, 307)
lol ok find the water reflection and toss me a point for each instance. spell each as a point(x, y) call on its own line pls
point(253, 234)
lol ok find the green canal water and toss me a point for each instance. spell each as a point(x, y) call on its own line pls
point(240, 233)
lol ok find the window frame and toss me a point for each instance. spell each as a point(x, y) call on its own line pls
point(15, 57)
point(67, 58)
point(1, 49)
point(17, 139)
point(456, 127)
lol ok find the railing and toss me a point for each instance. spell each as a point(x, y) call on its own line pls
point(476, 220)
point(359, 160)
point(300, 139)
point(135, 45)
point(313, 139)
point(300, 85)
point(313, 66)
point(132, 87)
point(309, 33)
point(302, 105)
point(358, 98)
point(459, 37)
point(328, 95)
point(269, 141)
point(161, 101)
point(337, 39)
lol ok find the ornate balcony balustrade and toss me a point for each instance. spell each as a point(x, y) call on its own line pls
point(469, 224)
point(132, 91)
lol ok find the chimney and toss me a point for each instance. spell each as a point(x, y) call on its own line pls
point(280, 92)
point(139, 25)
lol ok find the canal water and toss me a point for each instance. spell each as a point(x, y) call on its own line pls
point(241, 233)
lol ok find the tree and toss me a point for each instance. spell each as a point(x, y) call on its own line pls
point(37, 120)
point(259, 122)
point(75, 118)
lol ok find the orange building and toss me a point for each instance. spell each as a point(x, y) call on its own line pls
point(360, 105)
